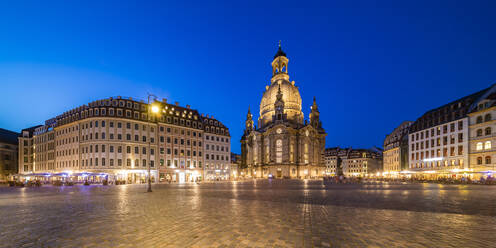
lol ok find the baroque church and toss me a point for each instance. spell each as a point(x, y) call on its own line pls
point(283, 144)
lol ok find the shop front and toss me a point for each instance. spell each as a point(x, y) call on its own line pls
point(180, 176)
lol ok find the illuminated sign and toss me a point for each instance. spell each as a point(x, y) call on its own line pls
point(433, 159)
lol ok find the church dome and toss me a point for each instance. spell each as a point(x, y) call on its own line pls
point(290, 96)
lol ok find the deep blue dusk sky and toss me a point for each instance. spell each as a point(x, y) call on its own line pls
point(370, 65)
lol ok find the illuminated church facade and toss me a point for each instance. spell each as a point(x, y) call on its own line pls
point(283, 144)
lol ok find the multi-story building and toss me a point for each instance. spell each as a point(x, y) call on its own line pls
point(333, 159)
point(26, 150)
point(362, 162)
point(395, 156)
point(284, 144)
point(217, 150)
point(182, 146)
point(352, 162)
point(439, 139)
point(115, 139)
point(482, 135)
point(44, 150)
point(8, 154)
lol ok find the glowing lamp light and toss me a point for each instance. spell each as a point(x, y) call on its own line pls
point(155, 109)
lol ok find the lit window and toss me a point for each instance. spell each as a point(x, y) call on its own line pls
point(487, 145)
point(479, 146)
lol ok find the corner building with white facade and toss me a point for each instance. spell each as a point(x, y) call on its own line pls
point(483, 136)
point(439, 140)
point(115, 139)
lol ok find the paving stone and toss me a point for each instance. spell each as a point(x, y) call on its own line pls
point(288, 213)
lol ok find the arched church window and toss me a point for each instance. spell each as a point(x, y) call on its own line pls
point(305, 154)
point(279, 151)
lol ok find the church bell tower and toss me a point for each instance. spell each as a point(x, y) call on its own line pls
point(280, 65)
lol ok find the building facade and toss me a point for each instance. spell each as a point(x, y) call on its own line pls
point(333, 159)
point(8, 154)
point(217, 150)
point(395, 156)
point(482, 135)
point(362, 163)
point(352, 162)
point(439, 140)
point(26, 150)
point(283, 145)
point(116, 139)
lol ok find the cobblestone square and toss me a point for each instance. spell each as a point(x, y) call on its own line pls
point(249, 214)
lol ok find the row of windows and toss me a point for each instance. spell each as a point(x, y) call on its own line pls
point(437, 153)
point(67, 130)
point(486, 146)
point(487, 131)
point(487, 160)
point(69, 140)
point(434, 164)
point(218, 166)
point(217, 157)
point(436, 142)
point(436, 131)
point(67, 152)
point(219, 148)
point(68, 163)
point(102, 162)
point(143, 139)
point(119, 137)
point(479, 119)
point(213, 138)
point(136, 115)
point(89, 149)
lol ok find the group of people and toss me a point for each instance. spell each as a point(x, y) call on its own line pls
point(341, 180)
point(487, 180)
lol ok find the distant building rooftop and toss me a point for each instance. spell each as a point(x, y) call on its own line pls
point(9, 137)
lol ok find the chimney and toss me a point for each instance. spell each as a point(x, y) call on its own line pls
point(177, 103)
point(164, 100)
point(202, 115)
point(188, 107)
point(130, 98)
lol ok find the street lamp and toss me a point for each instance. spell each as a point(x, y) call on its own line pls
point(152, 109)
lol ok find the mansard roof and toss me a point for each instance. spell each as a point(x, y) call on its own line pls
point(9, 137)
point(452, 111)
point(397, 134)
point(211, 122)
